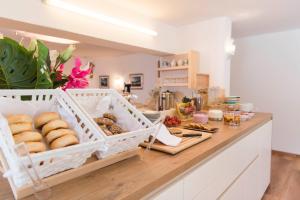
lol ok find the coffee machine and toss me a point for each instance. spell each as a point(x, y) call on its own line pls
point(166, 100)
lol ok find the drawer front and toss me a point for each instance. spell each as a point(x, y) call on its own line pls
point(173, 191)
point(211, 179)
point(246, 186)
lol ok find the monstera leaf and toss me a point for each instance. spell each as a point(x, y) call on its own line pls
point(43, 67)
point(20, 69)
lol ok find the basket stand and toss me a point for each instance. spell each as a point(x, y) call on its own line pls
point(91, 165)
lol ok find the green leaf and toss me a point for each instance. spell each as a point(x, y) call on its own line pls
point(32, 47)
point(20, 69)
point(43, 67)
point(63, 57)
point(17, 66)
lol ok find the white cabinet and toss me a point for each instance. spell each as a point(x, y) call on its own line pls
point(239, 171)
point(172, 192)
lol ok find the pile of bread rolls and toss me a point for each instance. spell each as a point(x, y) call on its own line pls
point(22, 130)
point(54, 130)
point(108, 123)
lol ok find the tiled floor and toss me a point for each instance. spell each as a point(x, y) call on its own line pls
point(285, 178)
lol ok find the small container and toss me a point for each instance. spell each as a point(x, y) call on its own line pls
point(200, 118)
point(232, 106)
point(232, 118)
point(173, 63)
point(246, 107)
point(215, 115)
point(180, 62)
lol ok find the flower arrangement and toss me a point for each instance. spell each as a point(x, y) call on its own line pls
point(31, 68)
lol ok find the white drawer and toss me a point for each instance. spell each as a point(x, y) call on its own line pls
point(173, 191)
point(210, 180)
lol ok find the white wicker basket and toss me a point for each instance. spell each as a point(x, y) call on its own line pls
point(138, 125)
point(53, 161)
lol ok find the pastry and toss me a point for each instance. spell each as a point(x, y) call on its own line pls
point(106, 131)
point(20, 118)
point(53, 135)
point(104, 121)
point(110, 116)
point(20, 127)
point(115, 129)
point(44, 118)
point(27, 136)
point(64, 141)
point(53, 125)
point(175, 130)
point(35, 147)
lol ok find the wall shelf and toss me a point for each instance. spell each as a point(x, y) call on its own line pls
point(175, 85)
point(172, 76)
point(173, 68)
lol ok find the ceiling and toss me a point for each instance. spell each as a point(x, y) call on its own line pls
point(83, 50)
point(249, 17)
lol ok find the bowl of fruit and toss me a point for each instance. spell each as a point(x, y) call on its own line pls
point(172, 121)
point(185, 109)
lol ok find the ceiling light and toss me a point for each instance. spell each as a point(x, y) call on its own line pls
point(46, 38)
point(99, 16)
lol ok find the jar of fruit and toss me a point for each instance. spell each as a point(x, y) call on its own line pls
point(185, 109)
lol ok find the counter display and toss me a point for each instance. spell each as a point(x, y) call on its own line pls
point(222, 167)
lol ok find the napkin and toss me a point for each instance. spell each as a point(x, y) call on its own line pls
point(165, 137)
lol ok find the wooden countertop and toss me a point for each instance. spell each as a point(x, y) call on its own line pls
point(138, 176)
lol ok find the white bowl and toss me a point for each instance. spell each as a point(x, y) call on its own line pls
point(246, 107)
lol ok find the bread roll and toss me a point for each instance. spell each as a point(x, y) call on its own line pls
point(53, 125)
point(19, 118)
point(44, 118)
point(52, 135)
point(35, 147)
point(27, 136)
point(64, 141)
point(20, 127)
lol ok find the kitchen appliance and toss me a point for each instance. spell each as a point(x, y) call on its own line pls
point(198, 102)
point(127, 88)
point(166, 100)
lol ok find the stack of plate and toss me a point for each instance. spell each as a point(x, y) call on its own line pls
point(232, 103)
point(152, 115)
point(232, 100)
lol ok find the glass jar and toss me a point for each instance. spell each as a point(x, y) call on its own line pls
point(231, 106)
point(232, 118)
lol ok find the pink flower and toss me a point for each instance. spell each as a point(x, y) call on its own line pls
point(77, 78)
point(59, 72)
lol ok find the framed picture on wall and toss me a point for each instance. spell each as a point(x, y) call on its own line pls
point(104, 81)
point(137, 81)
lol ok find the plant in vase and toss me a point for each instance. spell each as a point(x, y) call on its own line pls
point(30, 68)
point(78, 76)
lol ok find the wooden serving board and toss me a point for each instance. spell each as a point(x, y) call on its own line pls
point(185, 143)
point(213, 130)
point(92, 164)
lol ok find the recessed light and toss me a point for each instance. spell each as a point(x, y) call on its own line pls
point(99, 16)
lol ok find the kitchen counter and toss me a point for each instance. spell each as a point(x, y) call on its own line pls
point(141, 176)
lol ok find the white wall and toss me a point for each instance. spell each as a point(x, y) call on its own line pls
point(209, 38)
point(121, 67)
point(266, 71)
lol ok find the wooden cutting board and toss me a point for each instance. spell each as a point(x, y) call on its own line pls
point(185, 143)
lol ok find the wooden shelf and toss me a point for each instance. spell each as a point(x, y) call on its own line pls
point(173, 68)
point(193, 79)
point(175, 85)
